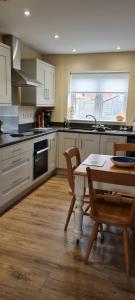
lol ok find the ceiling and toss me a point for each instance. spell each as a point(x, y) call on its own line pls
point(89, 26)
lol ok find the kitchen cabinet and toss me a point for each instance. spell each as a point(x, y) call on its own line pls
point(16, 170)
point(87, 144)
point(107, 141)
point(52, 152)
point(5, 75)
point(44, 94)
point(65, 141)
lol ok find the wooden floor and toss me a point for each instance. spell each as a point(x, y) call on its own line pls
point(38, 261)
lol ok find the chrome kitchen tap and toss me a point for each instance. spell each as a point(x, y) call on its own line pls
point(93, 119)
point(99, 127)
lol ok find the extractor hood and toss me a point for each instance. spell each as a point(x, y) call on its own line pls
point(19, 78)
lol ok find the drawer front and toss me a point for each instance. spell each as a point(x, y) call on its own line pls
point(13, 192)
point(15, 181)
point(14, 162)
point(15, 150)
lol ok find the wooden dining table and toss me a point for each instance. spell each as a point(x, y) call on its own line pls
point(99, 164)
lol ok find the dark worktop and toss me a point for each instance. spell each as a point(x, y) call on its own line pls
point(6, 139)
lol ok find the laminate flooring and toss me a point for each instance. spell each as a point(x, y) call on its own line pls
point(38, 261)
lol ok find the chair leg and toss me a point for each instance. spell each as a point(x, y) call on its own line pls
point(91, 241)
point(125, 244)
point(69, 212)
point(86, 209)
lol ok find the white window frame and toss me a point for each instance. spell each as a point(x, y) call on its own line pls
point(96, 114)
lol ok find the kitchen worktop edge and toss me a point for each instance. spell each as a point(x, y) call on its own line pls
point(7, 140)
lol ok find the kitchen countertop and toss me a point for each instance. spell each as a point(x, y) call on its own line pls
point(6, 139)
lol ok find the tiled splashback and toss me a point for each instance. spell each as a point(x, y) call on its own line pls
point(10, 117)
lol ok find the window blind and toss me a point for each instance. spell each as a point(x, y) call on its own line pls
point(116, 82)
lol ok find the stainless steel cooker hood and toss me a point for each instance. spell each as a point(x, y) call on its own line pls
point(19, 79)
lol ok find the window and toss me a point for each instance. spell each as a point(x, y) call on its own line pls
point(103, 95)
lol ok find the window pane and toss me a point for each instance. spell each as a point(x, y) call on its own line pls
point(104, 106)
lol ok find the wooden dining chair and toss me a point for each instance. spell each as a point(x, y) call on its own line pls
point(108, 209)
point(123, 147)
point(126, 147)
point(73, 160)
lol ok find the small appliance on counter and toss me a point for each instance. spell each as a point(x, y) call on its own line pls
point(44, 119)
point(47, 118)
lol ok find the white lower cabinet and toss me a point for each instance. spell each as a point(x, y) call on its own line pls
point(87, 144)
point(107, 141)
point(16, 170)
point(52, 155)
point(65, 141)
point(16, 161)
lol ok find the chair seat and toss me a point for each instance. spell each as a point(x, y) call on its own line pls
point(108, 213)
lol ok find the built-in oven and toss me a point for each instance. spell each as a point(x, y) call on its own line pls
point(40, 158)
point(131, 140)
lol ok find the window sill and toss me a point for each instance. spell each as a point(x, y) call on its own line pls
point(98, 122)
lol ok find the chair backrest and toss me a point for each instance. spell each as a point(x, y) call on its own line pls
point(110, 178)
point(73, 160)
point(123, 147)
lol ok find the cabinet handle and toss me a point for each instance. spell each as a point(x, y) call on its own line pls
point(16, 150)
point(14, 162)
point(50, 145)
point(15, 183)
point(81, 144)
point(19, 180)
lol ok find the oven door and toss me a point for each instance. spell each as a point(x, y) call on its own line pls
point(40, 162)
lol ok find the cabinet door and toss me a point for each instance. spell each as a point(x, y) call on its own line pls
point(52, 152)
point(5, 75)
point(106, 144)
point(49, 85)
point(65, 141)
point(88, 144)
point(41, 77)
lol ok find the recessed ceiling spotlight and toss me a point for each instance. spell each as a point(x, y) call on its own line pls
point(56, 36)
point(118, 48)
point(27, 12)
point(74, 50)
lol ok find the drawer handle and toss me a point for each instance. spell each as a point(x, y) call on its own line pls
point(15, 163)
point(15, 183)
point(16, 150)
point(19, 160)
point(19, 180)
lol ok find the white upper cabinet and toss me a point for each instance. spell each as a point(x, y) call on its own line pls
point(43, 95)
point(5, 75)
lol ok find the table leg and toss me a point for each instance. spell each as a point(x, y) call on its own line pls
point(79, 194)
